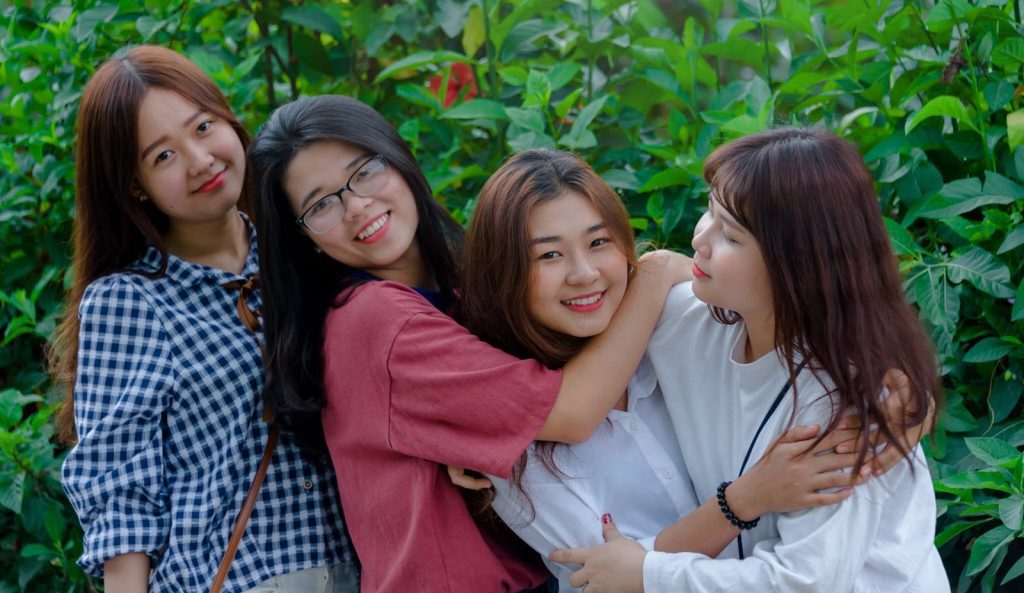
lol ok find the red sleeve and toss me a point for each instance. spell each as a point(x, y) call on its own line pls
point(459, 401)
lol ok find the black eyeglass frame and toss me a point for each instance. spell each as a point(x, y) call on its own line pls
point(301, 220)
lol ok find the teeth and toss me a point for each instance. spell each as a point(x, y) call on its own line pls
point(373, 228)
point(590, 300)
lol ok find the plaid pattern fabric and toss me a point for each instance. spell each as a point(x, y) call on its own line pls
point(169, 417)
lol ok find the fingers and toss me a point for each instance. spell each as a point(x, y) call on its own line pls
point(580, 578)
point(462, 479)
point(826, 498)
point(611, 532)
point(572, 555)
point(799, 433)
point(886, 460)
point(838, 437)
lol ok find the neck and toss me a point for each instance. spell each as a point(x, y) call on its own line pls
point(623, 402)
point(221, 244)
point(760, 336)
point(410, 270)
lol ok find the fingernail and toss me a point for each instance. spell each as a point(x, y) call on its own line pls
point(606, 518)
point(865, 471)
point(842, 448)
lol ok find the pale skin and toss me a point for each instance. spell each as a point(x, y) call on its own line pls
point(191, 165)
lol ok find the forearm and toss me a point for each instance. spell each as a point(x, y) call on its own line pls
point(127, 573)
point(598, 376)
point(704, 531)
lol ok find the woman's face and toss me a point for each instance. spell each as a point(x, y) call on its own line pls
point(578, 273)
point(728, 268)
point(375, 233)
point(191, 162)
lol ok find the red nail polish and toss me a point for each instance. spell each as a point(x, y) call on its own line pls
point(606, 518)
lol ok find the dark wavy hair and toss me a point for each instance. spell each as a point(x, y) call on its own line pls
point(496, 262)
point(300, 286)
point(112, 226)
point(808, 199)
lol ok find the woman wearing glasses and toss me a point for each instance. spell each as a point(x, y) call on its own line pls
point(350, 232)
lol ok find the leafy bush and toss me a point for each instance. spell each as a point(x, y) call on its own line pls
point(931, 92)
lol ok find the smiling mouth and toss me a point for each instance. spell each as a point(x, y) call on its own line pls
point(585, 303)
point(214, 182)
point(373, 227)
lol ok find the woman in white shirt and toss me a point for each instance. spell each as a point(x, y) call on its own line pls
point(547, 259)
point(797, 303)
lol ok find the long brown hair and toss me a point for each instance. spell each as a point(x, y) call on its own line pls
point(496, 260)
point(112, 226)
point(807, 198)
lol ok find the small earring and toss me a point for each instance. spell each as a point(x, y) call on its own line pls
point(317, 250)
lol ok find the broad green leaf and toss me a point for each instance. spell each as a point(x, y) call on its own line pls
point(959, 197)
point(998, 93)
point(313, 17)
point(743, 125)
point(903, 242)
point(477, 109)
point(37, 550)
point(529, 119)
point(1018, 304)
point(419, 60)
point(937, 300)
point(1014, 239)
point(577, 136)
point(514, 75)
point(986, 547)
point(1009, 54)
point(983, 270)
point(956, 529)
point(946, 13)
point(667, 178)
point(566, 104)
point(621, 179)
point(473, 36)
point(1015, 129)
point(987, 350)
point(12, 490)
point(992, 451)
point(538, 90)
point(1015, 571)
point(1011, 511)
point(562, 74)
point(451, 17)
point(944, 105)
point(739, 49)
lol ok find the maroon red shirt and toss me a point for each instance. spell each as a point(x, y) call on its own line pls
point(409, 391)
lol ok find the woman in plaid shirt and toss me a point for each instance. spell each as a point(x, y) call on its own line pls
point(166, 377)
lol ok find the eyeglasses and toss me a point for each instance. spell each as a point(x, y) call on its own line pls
point(327, 212)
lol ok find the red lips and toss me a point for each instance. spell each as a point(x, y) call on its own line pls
point(212, 184)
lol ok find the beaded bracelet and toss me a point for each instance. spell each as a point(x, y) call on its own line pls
point(728, 512)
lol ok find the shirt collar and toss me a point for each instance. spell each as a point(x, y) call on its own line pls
point(188, 273)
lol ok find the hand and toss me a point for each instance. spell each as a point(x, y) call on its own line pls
point(897, 408)
point(614, 567)
point(460, 478)
point(790, 476)
point(674, 267)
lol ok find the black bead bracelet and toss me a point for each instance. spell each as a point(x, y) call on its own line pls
point(728, 512)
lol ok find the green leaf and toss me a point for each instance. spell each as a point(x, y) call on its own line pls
point(1015, 128)
point(992, 451)
point(988, 350)
point(902, 241)
point(562, 74)
point(937, 300)
point(514, 75)
point(667, 178)
point(12, 490)
point(944, 105)
point(998, 93)
point(1015, 571)
point(313, 17)
point(477, 109)
point(973, 480)
point(37, 550)
point(473, 35)
point(529, 119)
point(956, 529)
point(579, 136)
point(983, 270)
point(1009, 54)
point(1011, 511)
point(1018, 304)
point(986, 547)
point(419, 60)
point(621, 179)
point(538, 90)
point(1014, 239)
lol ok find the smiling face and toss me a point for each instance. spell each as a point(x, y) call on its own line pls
point(728, 269)
point(191, 162)
point(578, 273)
point(377, 233)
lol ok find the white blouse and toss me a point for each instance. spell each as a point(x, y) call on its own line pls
point(631, 467)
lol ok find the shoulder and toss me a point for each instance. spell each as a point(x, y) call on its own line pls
point(683, 315)
point(379, 301)
point(120, 290)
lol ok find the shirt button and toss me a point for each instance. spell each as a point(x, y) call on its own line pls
point(634, 425)
point(308, 485)
point(667, 473)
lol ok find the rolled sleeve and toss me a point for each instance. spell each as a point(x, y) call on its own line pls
point(114, 476)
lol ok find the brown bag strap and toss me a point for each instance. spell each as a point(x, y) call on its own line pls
point(251, 319)
point(243, 515)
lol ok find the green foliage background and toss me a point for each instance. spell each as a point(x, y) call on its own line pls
point(931, 92)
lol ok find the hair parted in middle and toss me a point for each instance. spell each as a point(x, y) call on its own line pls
point(808, 199)
point(299, 286)
point(496, 261)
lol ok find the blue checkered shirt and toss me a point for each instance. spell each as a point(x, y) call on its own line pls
point(169, 417)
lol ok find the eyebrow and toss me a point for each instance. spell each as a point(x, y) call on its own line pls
point(316, 190)
point(163, 138)
point(554, 238)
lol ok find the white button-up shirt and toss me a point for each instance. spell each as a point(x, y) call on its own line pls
point(631, 467)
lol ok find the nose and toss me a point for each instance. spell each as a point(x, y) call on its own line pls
point(700, 241)
point(354, 205)
point(582, 271)
point(200, 160)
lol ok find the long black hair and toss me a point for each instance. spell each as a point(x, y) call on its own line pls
point(300, 286)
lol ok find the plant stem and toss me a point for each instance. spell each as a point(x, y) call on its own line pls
point(767, 53)
point(590, 57)
point(492, 73)
point(990, 159)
